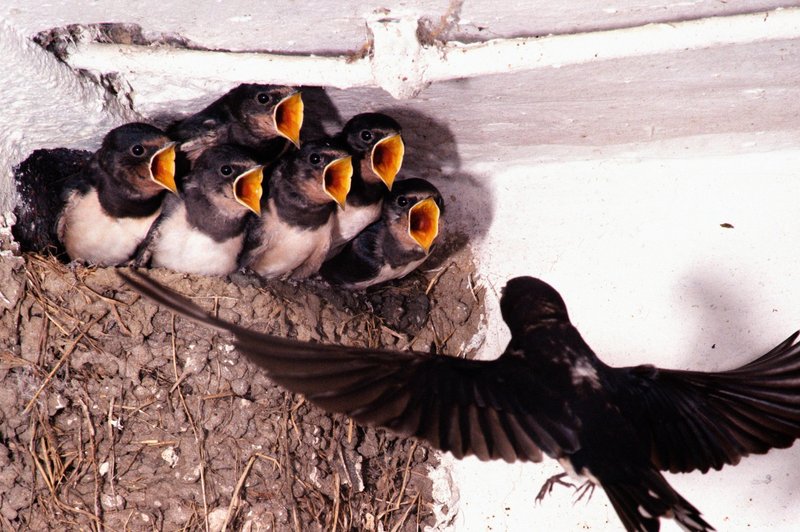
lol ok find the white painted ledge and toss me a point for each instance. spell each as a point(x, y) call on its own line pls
point(403, 66)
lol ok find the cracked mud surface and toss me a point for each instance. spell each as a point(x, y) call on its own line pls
point(116, 414)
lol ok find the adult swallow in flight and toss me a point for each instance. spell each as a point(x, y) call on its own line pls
point(259, 117)
point(293, 234)
point(375, 142)
point(203, 230)
point(110, 205)
point(547, 393)
point(396, 244)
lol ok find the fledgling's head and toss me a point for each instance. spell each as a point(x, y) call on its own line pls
point(377, 141)
point(267, 111)
point(528, 301)
point(413, 213)
point(229, 178)
point(140, 156)
point(320, 171)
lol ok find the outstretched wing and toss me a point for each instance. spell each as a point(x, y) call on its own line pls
point(698, 420)
point(490, 409)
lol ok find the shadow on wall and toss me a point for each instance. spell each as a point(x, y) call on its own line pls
point(321, 117)
point(432, 153)
point(721, 311)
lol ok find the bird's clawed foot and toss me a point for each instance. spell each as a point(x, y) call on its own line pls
point(550, 483)
point(584, 489)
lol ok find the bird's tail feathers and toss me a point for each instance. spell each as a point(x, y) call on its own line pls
point(641, 500)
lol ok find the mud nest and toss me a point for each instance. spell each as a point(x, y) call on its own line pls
point(115, 414)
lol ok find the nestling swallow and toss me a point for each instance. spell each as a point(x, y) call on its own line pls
point(111, 203)
point(41, 180)
point(375, 142)
point(260, 117)
point(203, 230)
point(396, 244)
point(293, 234)
point(547, 393)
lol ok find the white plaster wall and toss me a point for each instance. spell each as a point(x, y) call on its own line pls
point(609, 179)
point(634, 245)
point(44, 105)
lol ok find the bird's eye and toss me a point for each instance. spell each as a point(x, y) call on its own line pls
point(402, 201)
point(137, 150)
point(226, 170)
point(314, 158)
point(263, 98)
point(366, 135)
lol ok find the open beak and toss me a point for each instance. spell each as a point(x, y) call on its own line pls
point(162, 167)
point(288, 116)
point(423, 223)
point(336, 179)
point(247, 188)
point(387, 158)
